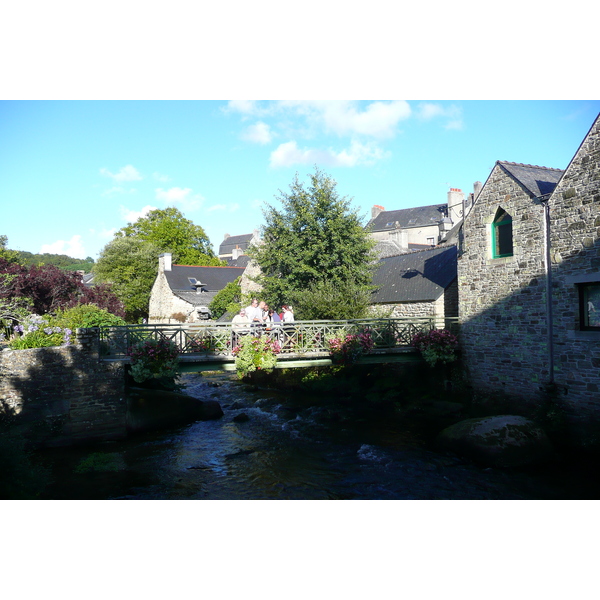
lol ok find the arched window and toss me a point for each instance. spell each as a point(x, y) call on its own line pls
point(502, 238)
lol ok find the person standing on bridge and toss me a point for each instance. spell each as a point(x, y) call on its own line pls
point(288, 314)
point(253, 312)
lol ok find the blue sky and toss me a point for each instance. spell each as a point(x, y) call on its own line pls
point(74, 172)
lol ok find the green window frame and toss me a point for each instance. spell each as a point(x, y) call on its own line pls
point(502, 235)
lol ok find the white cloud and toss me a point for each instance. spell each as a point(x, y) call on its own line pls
point(118, 190)
point(127, 173)
point(289, 154)
point(131, 216)
point(160, 177)
point(378, 119)
point(73, 247)
point(224, 207)
point(259, 133)
point(248, 107)
point(215, 207)
point(453, 113)
point(182, 197)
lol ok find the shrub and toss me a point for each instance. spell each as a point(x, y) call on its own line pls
point(224, 299)
point(255, 354)
point(437, 345)
point(331, 299)
point(39, 332)
point(154, 360)
point(87, 315)
point(349, 348)
point(179, 316)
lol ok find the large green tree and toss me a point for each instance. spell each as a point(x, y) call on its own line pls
point(130, 265)
point(171, 232)
point(316, 238)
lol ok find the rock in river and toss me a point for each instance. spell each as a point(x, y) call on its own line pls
point(498, 441)
point(156, 409)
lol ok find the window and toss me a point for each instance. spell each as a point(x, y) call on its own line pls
point(589, 306)
point(502, 238)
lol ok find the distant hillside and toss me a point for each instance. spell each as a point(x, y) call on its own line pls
point(62, 261)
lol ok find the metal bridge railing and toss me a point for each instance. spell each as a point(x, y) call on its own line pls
point(300, 337)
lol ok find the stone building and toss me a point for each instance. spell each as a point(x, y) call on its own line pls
point(408, 229)
point(417, 284)
point(183, 293)
point(234, 248)
point(521, 328)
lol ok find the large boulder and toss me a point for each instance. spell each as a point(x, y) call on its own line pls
point(149, 410)
point(498, 441)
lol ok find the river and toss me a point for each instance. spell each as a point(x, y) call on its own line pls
point(274, 445)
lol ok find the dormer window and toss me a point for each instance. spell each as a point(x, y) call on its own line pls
point(502, 235)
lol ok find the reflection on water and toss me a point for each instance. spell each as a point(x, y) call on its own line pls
point(289, 448)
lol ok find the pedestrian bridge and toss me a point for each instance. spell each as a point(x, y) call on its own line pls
point(208, 346)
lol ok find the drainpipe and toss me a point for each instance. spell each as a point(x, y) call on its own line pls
point(549, 318)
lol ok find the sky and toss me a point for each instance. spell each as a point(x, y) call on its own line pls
point(73, 172)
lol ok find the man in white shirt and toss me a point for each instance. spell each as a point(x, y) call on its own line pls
point(253, 312)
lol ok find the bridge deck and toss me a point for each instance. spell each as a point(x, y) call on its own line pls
point(303, 343)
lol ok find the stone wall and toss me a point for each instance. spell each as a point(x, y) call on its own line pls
point(64, 395)
point(445, 306)
point(502, 300)
point(575, 251)
point(503, 304)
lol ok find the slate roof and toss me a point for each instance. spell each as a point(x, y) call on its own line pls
point(415, 277)
point(235, 241)
point(408, 217)
point(240, 261)
point(213, 278)
point(537, 180)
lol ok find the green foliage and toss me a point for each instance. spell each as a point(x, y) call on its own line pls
point(154, 360)
point(315, 237)
point(328, 299)
point(101, 462)
point(437, 345)
point(130, 261)
point(11, 309)
point(12, 256)
point(43, 332)
point(170, 231)
point(227, 299)
point(130, 265)
point(86, 315)
point(62, 261)
point(39, 332)
point(255, 354)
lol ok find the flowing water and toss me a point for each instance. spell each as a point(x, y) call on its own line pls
point(269, 445)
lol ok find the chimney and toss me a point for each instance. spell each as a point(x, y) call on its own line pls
point(236, 253)
point(226, 236)
point(476, 189)
point(164, 262)
point(376, 210)
point(455, 204)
